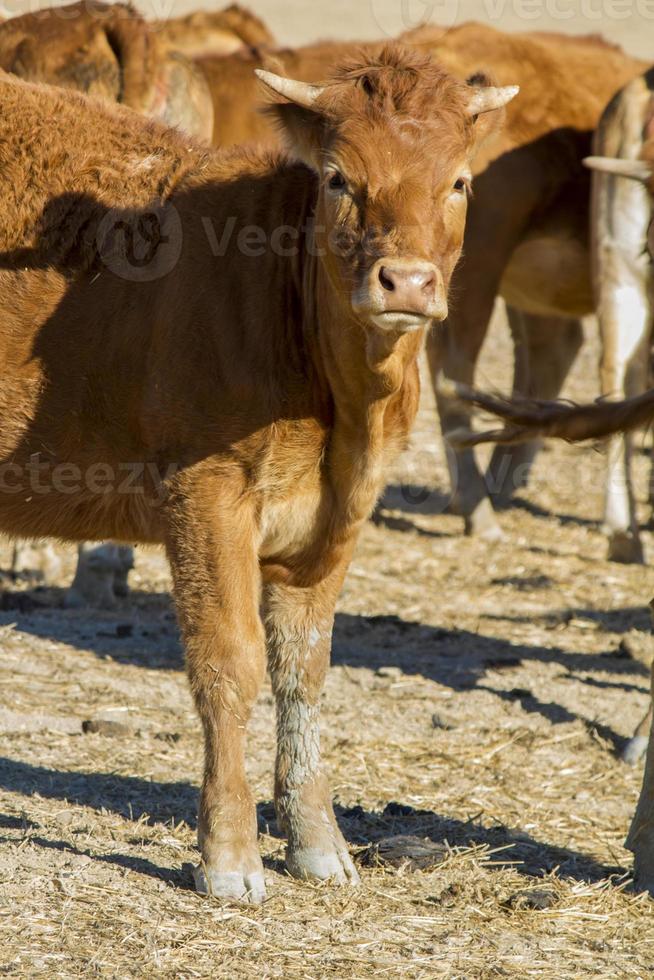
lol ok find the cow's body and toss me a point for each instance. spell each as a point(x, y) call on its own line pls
point(253, 393)
point(531, 200)
point(109, 53)
point(215, 32)
point(624, 283)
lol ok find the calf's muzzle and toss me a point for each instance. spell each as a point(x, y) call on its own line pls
point(404, 293)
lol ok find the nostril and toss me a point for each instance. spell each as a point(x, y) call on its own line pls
point(428, 281)
point(386, 280)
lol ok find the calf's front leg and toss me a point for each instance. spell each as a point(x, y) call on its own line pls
point(299, 627)
point(217, 591)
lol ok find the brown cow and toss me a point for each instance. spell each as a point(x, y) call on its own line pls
point(241, 333)
point(531, 200)
point(110, 52)
point(215, 32)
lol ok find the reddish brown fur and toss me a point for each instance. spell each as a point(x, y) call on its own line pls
point(108, 52)
point(267, 405)
point(215, 32)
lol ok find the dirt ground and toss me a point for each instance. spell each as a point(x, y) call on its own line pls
point(477, 699)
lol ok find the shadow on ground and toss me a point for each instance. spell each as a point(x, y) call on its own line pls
point(144, 634)
point(141, 800)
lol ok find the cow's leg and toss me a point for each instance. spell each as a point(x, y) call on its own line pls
point(640, 839)
point(298, 627)
point(545, 350)
point(217, 591)
point(625, 331)
point(36, 556)
point(125, 563)
point(454, 347)
point(622, 270)
point(454, 350)
point(637, 745)
point(93, 584)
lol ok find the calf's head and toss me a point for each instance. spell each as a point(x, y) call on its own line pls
point(391, 139)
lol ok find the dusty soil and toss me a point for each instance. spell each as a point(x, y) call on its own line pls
point(477, 699)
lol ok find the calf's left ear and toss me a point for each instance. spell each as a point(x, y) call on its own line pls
point(301, 125)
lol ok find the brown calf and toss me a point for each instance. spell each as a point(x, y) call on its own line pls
point(527, 232)
point(246, 329)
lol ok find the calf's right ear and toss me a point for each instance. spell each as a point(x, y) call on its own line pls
point(300, 123)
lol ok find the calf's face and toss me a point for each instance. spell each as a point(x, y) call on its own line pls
point(391, 141)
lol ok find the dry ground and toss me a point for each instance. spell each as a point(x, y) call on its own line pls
point(477, 698)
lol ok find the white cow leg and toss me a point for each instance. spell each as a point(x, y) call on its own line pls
point(620, 523)
point(93, 584)
point(125, 559)
point(38, 557)
point(640, 839)
point(636, 747)
point(623, 282)
point(298, 627)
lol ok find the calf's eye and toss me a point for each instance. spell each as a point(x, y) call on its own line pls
point(460, 184)
point(336, 181)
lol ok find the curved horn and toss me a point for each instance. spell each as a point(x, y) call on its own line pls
point(488, 97)
point(636, 169)
point(299, 92)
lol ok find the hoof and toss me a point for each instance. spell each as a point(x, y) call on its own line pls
point(320, 865)
point(643, 873)
point(237, 886)
point(624, 547)
point(635, 749)
point(482, 523)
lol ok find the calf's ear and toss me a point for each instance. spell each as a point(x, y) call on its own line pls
point(300, 123)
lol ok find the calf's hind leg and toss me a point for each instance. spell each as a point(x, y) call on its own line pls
point(545, 350)
point(212, 550)
point(299, 625)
